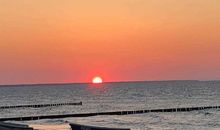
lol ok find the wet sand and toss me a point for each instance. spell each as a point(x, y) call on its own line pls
point(51, 127)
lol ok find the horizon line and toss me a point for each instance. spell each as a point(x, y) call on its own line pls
point(125, 81)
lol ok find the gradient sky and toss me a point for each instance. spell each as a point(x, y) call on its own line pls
point(46, 41)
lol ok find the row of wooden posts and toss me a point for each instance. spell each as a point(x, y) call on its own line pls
point(41, 105)
point(184, 109)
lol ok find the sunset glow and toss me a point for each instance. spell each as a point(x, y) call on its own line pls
point(97, 80)
point(122, 40)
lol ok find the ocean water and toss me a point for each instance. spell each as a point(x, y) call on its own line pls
point(119, 96)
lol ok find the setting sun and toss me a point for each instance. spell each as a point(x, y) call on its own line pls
point(97, 80)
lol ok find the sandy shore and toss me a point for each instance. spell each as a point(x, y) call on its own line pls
point(51, 127)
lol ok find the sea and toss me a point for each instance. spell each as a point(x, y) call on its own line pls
point(118, 96)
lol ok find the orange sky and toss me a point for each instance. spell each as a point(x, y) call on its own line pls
point(74, 40)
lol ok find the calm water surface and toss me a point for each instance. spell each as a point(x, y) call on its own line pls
point(120, 96)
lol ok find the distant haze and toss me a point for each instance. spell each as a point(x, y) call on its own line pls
point(45, 41)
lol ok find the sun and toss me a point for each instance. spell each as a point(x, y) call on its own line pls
point(97, 80)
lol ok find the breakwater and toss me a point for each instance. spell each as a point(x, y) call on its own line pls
point(13, 126)
point(184, 109)
point(86, 127)
point(40, 105)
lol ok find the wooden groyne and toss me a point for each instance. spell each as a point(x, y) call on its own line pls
point(86, 127)
point(13, 126)
point(185, 109)
point(41, 105)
